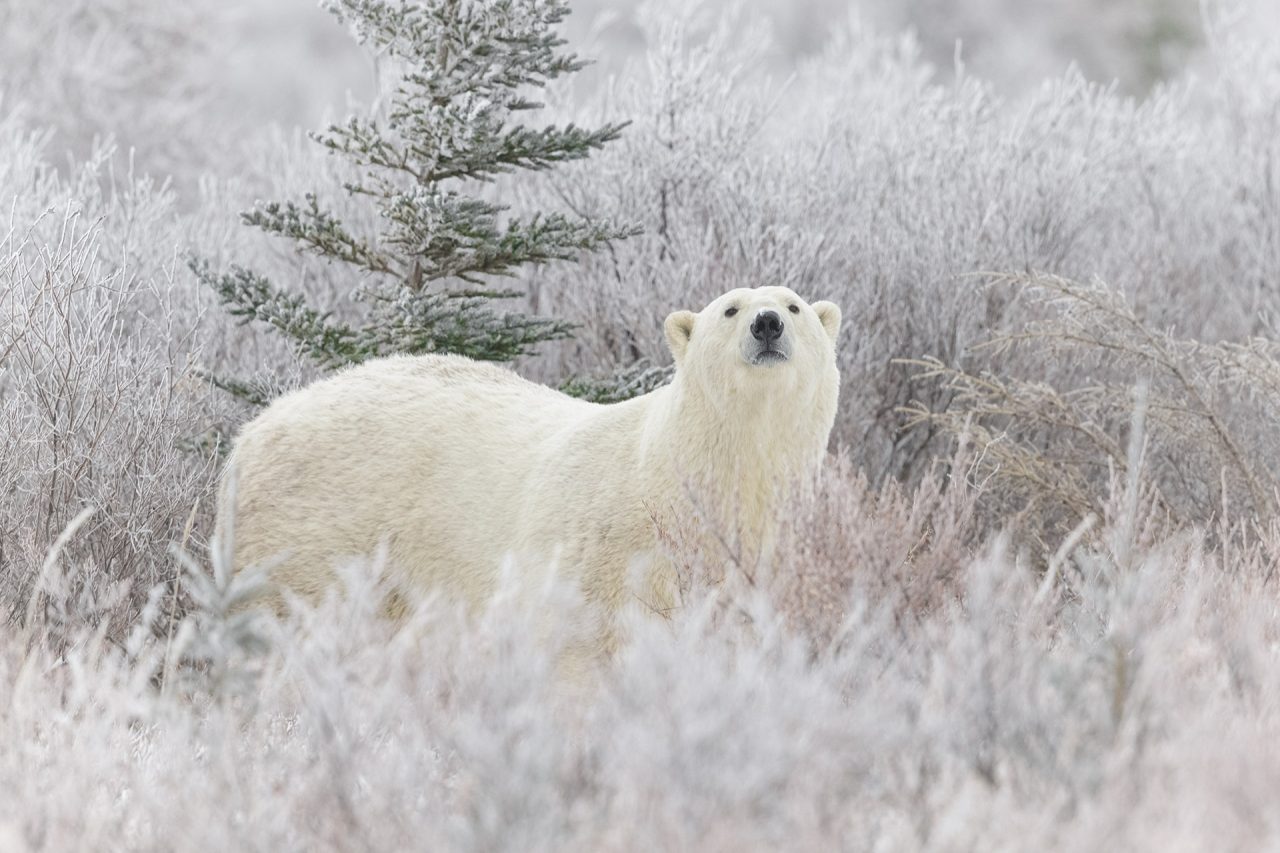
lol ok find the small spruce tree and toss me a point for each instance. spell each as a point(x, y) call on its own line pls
point(466, 67)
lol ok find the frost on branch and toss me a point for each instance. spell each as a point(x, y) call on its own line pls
point(425, 162)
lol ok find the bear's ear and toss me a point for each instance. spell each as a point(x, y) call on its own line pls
point(679, 329)
point(829, 316)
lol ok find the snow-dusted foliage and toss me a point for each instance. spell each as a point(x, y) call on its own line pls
point(866, 181)
point(96, 399)
point(1032, 604)
point(1129, 704)
point(427, 277)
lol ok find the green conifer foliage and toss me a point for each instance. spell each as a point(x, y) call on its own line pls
point(425, 279)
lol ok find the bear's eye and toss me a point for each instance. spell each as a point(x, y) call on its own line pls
point(794, 309)
point(729, 312)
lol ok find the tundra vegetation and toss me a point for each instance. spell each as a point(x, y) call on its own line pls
point(1032, 603)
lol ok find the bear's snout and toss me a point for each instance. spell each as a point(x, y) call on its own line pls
point(767, 327)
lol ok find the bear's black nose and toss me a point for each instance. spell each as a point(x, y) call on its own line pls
point(767, 326)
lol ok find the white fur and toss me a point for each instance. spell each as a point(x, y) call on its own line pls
point(456, 465)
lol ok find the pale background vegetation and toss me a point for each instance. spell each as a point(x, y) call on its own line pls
point(1032, 606)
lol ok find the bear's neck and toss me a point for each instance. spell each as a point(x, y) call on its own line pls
point(734, 468)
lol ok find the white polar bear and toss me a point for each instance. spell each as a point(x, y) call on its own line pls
point(454, 465)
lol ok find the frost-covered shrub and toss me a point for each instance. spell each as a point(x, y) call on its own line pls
point(182, 89)
point(868, 181)
point(97, 400)
point(1137, 42)
point(1007, 714)
point(901, 675)
point(1197, 418)
point(124, 69)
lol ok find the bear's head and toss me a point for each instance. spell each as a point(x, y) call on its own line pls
point(765, 340)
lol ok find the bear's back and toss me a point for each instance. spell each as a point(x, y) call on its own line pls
point(425, 388)
point(449, 371)
point(432, 454)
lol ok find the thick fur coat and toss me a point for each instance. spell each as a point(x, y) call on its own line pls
point(458, 468)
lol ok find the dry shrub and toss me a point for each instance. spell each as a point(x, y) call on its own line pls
point(848, 544)
point(96, 398)
point(124, 69)
point(840, 547)
point(1130, 704)
point(1089, 393)
point(874, 180)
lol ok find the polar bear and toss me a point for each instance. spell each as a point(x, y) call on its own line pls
point(456, 467)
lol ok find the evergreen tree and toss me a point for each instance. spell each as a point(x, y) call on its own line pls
point(623, 383)
point(424, 279)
